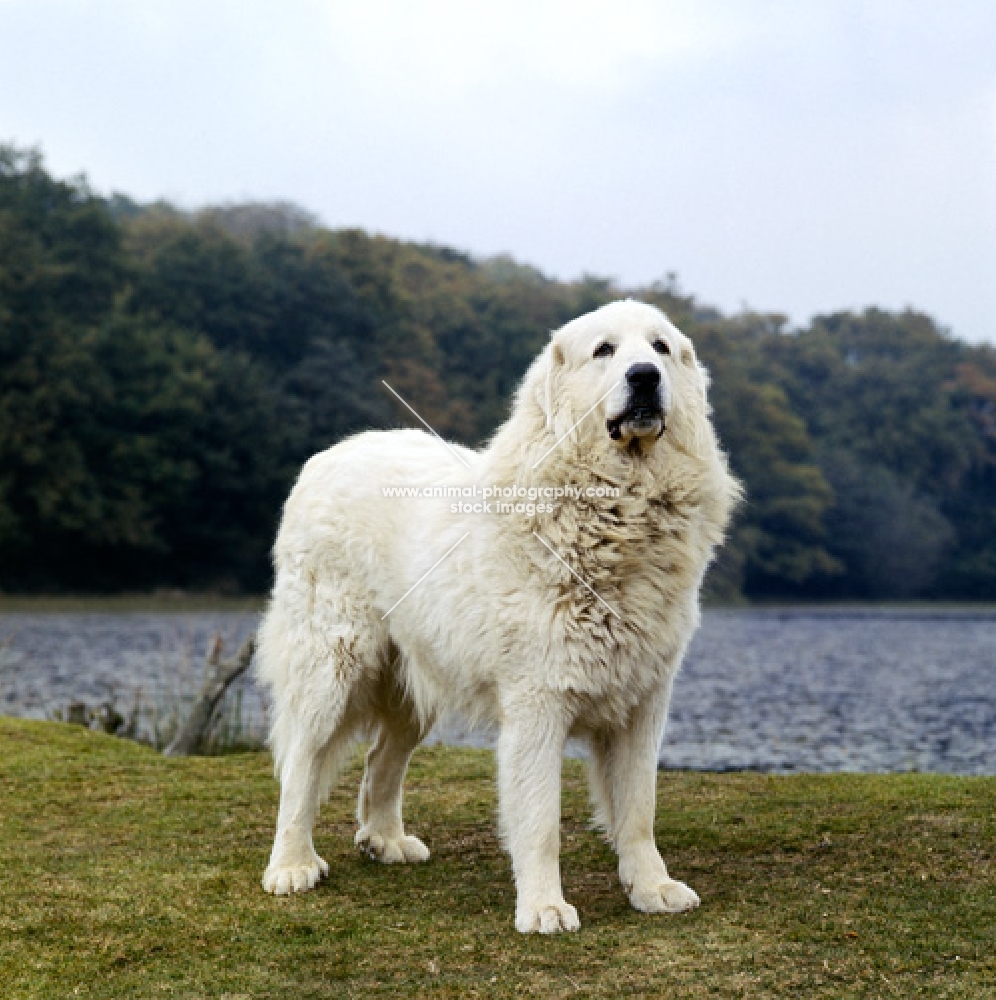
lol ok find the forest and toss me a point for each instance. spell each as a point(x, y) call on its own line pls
point(164, 374)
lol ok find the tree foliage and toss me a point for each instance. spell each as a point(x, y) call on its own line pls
point(163, 375)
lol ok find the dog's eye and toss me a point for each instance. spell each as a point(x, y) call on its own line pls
point(604, 350)
point(661, 346)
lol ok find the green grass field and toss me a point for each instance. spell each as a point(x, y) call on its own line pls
point(125, 874)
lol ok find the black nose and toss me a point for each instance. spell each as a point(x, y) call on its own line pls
point(644, 377)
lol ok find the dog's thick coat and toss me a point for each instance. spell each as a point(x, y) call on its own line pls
point(555, 619)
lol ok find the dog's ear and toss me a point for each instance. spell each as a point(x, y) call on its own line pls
point(695, 368)
point(554, 367)
point(691, 425)
point(546, 392)
point(706, 379)
point(542, 381)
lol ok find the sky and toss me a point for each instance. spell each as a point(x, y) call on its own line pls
point(784, 156)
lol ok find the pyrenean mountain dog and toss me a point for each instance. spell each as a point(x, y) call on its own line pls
point(548, 583)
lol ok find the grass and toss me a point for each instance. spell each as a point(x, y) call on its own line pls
point(125, 874)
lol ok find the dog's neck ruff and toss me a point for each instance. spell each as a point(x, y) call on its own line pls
point(636, 534)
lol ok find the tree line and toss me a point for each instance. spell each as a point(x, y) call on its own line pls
point(164, 374)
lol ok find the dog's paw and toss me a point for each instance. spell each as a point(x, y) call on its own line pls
point(390, 850)
point(283, 879)
point(546, 918)
point(664, 896)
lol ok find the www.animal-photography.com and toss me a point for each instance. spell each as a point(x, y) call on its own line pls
point(497, 499)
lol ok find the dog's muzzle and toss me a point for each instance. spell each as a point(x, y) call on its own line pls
point(644, 413)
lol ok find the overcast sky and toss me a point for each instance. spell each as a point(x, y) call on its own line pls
point(797, 156)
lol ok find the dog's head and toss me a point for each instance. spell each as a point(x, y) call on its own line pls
point(624, 372)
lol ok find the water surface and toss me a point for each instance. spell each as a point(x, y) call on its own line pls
point(775, 690)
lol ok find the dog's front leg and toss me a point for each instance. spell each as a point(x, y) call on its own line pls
point(530, 752)
point(626, 763)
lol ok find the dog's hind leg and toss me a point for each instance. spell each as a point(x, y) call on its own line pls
point(319, 666)
point(382, 834)
point(600, 783)
point(306, 774)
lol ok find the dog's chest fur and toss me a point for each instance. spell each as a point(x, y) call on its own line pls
point(623, 603)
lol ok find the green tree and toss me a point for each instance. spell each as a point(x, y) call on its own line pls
point(164, 374)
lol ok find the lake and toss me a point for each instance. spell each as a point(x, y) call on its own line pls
point(838, 689)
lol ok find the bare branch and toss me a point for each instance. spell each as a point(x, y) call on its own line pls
point(220, 674)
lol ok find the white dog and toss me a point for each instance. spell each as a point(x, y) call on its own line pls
point(564, 616)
